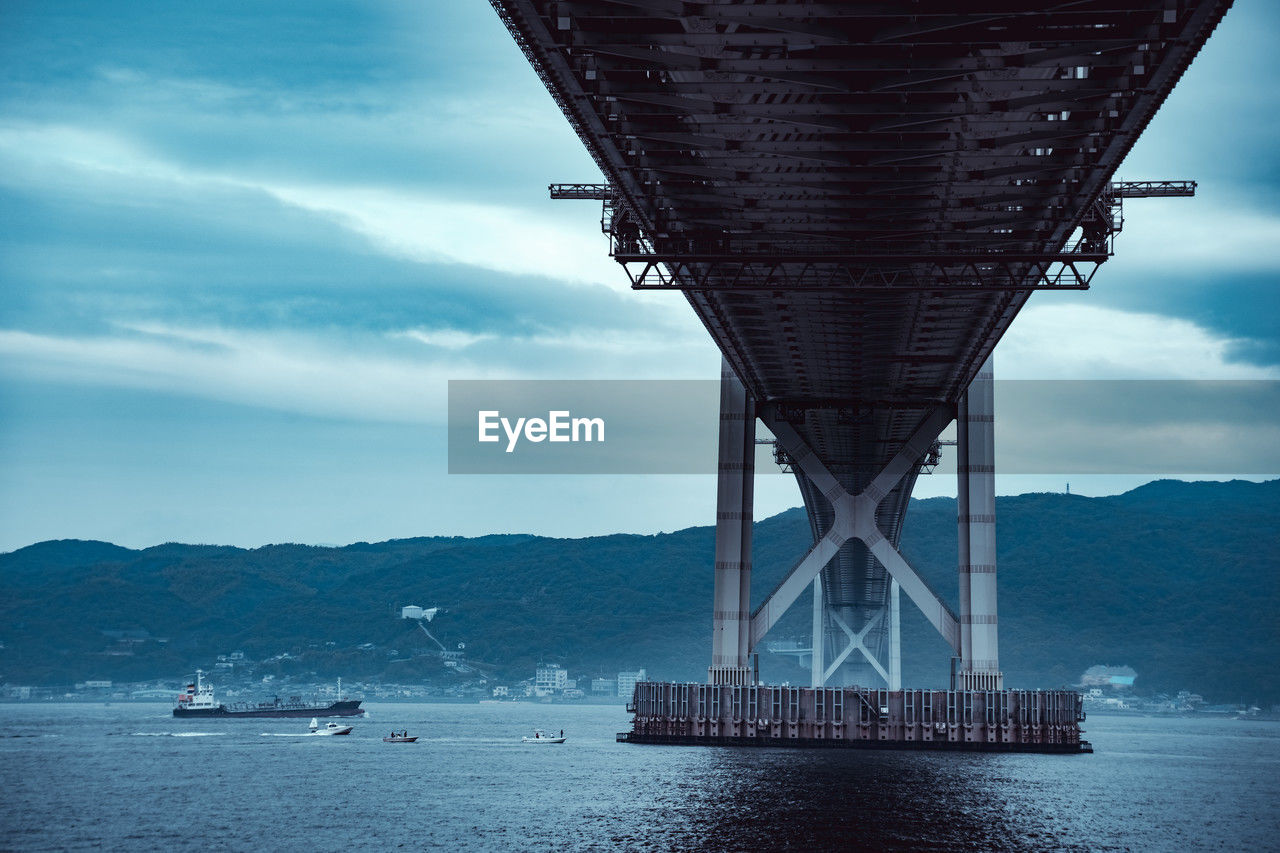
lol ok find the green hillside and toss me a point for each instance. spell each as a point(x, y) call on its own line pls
point(1179, 580)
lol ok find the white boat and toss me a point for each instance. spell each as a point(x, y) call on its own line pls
point(315, 731)
point(329, 728)
point(539, 736)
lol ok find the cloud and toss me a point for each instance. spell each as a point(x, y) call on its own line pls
point(416, 225)
point(401, 376)
point(342, 375)
point(1059, 341)
point(272, 371)
point(639, 343)
point(450, 339)
point(420, 227)
point(1213, 235)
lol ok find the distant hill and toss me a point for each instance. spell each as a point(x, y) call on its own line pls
point(1181, 581)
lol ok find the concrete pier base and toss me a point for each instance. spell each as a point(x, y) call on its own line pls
point(856, 717)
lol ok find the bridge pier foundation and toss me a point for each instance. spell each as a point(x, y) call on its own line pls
point(856, 718)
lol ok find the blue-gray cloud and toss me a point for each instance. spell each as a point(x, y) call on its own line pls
point(265, 215)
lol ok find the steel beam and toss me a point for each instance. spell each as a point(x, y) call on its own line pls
point(803, 274)
point(800, 576)
point(597, 192)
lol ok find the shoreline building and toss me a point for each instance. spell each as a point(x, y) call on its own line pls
point(627, 682)
point(549, 679)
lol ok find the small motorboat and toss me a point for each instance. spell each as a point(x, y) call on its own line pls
point(329, 728)
point(400, 737)
point(315, 730)
point(539, 736)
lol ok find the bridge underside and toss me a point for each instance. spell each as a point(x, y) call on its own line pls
point(856, 199)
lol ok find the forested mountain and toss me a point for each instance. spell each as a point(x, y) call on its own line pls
point(1179, 580)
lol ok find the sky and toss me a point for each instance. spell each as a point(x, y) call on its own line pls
point(245, 245)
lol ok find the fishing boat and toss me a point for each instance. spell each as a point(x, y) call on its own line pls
point(539, 736)
point(402, 737)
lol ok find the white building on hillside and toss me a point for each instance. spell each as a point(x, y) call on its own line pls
point(549, 679)
point(627, 682)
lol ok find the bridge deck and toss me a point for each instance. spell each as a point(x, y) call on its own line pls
point(813, 130)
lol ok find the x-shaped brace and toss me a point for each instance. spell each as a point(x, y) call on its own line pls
point(856, 641)
point(855, 518)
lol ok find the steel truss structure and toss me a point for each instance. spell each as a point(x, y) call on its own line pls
point(688, 265)
point(857, 198)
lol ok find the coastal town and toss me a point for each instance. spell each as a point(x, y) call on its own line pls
point(1106, 690)
point(236, 678)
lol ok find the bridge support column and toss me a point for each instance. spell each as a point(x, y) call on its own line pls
point(731, 623)
point(817, 676)
point(895, 636)
point(979, 665)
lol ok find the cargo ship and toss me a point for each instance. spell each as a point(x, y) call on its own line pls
point(197, 701)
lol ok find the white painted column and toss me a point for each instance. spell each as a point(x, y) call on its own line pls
point(978, 566)
point(818, 664)
point(731, 622)
point(895, 636)
point(965, 614)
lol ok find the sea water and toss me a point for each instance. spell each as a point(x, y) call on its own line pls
point(130, 777)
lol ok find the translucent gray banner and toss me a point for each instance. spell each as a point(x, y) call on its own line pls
point(1157, 427)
